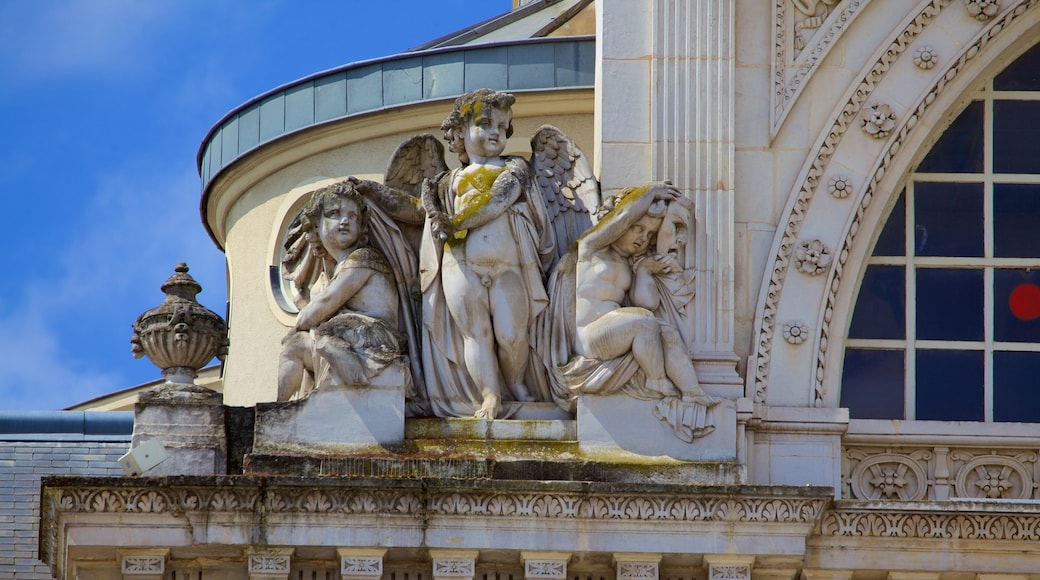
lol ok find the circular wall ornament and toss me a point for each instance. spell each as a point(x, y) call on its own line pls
point(889, 476)
point(982, 9)
point(878, 120)
point(840, 187)
point(795, 332)
point(812, 257)
point(926, 58)
point(994, 477)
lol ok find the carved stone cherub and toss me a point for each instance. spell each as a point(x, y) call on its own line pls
point(625, 287)
point(491, 233)
point(347, 329)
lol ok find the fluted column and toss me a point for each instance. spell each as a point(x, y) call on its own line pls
point(664, 110)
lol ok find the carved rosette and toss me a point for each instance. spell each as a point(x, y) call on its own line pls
point(878, 120)
point(795, 332)
point(180, 336)
point(995, 477)
point(840, 187)
point(982, 10)
point(812, 257)
point(925, 58)
point(890, 476)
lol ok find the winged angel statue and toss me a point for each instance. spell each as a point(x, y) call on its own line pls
point(487, 236)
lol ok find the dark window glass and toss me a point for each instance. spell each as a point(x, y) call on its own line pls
point(960, 148)
point(948, 219)
point(881, 305)
point(1016, 388)
point(872, 384)
point(891, 242)
point(1021, 75)
point(950, 385)
point(1016, 306)
point(1016, 128)
point(1016, 220)
point(949, 304)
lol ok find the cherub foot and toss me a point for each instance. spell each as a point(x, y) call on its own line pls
point(664, 387)
point(490, 408)
point(697, 395)
point(521, 393)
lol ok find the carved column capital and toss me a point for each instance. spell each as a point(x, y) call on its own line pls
point(361, 563)
point(545, 565)
point(637, 566)
point(454, 564)
point(269, 563)
point(728, 566)
point(143, 564)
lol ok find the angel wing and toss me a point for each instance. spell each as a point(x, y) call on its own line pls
point(568, 185)
point(420, 157)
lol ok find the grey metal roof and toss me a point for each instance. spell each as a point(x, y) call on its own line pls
point(403, 79)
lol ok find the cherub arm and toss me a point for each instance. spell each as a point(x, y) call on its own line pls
point(343, 287)
point(478, 208)
point(628, 210)
point(401, 206)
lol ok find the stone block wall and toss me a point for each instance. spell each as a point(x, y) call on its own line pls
point(22, 464)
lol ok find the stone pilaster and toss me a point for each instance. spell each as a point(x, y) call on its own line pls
point(728, 566)
point(361, 563)
point(664, 110)
point(637, 566)
point(269, 563)
point(545, 565)
point(454, 564)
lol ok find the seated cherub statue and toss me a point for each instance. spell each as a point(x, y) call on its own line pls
point(347, 331)
point(624, 337)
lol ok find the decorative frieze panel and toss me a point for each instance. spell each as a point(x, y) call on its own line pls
point(939, 473)
point(935, 524)
point(545, 565)
point(637, 566)
point(269, 563)
point(805, 31)
point(361, 563)
point(454, 564)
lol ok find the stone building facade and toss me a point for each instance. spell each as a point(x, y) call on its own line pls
point(865, 200)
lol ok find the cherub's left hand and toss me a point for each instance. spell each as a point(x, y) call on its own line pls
point(660, 264)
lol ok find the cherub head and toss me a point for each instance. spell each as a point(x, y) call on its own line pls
point(336, 219)
point(474, 125)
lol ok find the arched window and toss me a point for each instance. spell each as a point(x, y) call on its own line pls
point(947, 321)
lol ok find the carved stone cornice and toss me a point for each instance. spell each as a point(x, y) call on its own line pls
point(244, 507)
point(1004, 522)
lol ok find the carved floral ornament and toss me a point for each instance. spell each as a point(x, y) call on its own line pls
point(812, 257)
point(938, 473)
point(925, 58)
point(840, 187)
point(878, 120)
point(982, 9)
point(795, 332)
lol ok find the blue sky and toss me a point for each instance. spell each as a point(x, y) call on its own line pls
point(105, 103)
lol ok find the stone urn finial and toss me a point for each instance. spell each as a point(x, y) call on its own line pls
point(180, 335)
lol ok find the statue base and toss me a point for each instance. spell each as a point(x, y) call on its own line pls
point(612, 424)
point(336, 419)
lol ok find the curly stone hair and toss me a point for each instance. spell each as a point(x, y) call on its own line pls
point(468, 107)
point(319, 202)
